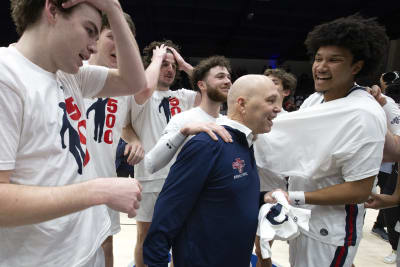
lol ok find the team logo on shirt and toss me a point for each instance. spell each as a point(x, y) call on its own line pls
point(76, 137)
point(238, 165)
point(396, 120)
point(100, 119)
point(170, 107)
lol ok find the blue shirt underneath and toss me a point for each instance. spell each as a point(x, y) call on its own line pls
point(207, 210)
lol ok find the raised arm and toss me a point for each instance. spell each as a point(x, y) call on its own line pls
point(152, 74)
point(129, 78)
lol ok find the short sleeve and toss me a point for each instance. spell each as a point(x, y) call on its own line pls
point(92, 79)
point(190, 96)
point(11, 113)
point(364, 162)
point(392, 112)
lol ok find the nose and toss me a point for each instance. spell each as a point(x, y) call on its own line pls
point(92, 48)
point(228, 81)
point(320, 66)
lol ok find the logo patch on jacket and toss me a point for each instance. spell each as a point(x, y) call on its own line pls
point(238, 165)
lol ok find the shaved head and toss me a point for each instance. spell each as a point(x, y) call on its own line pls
point(254, 101)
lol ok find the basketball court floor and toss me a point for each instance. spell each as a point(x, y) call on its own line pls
point(371, 252)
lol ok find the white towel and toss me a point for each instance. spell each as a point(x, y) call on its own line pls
point(280, 221)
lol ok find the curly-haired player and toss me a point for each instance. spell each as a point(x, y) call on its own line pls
point(342, 50)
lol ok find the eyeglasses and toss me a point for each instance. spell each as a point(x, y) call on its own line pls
point(391, 77)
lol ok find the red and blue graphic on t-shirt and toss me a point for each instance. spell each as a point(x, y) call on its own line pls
point(76, 137)
point(100, 119)
point(170, 106)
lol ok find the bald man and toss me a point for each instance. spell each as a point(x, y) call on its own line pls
point(207, 210)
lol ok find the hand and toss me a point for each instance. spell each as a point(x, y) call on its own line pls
point(378, 201)
point(209, 128)
point(103, 5)
point(135, 152)
point(182, 64)
point(123, 194)
point(268, 198)
point(159, 52)
point(375, 91)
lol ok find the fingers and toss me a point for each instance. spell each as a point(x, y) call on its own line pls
point(127, 148)
point(71, 3)
point(223, 133)
point(211, 134)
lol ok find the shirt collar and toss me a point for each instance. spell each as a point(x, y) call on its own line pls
point(224, 120)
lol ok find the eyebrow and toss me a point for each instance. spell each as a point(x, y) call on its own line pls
point(96, 30)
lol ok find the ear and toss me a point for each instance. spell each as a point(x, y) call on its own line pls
point(241, 105)
point(286, 92)
point(357, 67)
point(50, 11)
point(201, 85)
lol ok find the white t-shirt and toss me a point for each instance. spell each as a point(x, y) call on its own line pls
point(160, 155)
point(392, 112)
point(327, 144)
point(270, 181)
point(149, 120)
point(105, 118)
point(44, 133)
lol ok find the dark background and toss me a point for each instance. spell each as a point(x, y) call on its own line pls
point(242, 29)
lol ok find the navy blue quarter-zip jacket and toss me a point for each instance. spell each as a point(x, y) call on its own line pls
point(207, 210)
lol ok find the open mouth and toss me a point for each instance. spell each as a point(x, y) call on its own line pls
point(323, 78)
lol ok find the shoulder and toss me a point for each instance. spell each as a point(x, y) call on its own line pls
point(312, 100)
point(184, 92)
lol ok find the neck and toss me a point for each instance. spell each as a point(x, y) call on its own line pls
point(209, 106)
point(337, 93)
point(36, 51)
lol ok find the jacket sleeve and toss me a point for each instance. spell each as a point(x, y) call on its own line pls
point(181, 190)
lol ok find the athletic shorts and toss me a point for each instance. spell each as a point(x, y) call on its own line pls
point(146, 210)
point(308, 252)
point(115, 221)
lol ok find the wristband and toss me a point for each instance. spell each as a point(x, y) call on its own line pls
point(297, 197)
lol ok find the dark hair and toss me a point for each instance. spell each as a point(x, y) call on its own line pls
point(289, 81)
point(27, 12)
point(202, 69)
point(148, 53)
point(365, 38)
point(105, 24)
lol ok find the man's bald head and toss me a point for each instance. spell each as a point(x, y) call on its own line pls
point(254, 101)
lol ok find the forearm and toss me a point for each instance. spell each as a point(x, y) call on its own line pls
point(391, 151)
point(163, 152)
point(341, 194)
point(129, 135)
point(128, 55)
point(23, 204)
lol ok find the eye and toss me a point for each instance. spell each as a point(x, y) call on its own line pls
point(90, 31)
point(317, 59)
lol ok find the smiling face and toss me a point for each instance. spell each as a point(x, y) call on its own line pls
point(216, 84)
point(74, 37)
point(167, 72)
point(334, 71)
point(261, 108)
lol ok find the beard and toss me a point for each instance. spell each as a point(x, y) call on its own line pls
point(215, 95)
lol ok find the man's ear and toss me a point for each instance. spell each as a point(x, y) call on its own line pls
point(357, 67)
point(286, 92)
point(241, 103)
point(201, 85)
point(50, 11)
